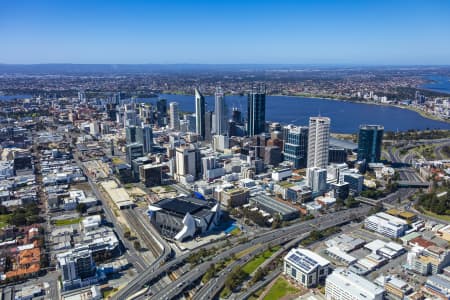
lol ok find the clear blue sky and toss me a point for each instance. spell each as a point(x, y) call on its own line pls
point(214, 31)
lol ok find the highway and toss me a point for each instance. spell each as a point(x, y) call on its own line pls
point(213, 287)
point(273, 237)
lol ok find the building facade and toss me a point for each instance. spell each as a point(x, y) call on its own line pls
point(306, 267)
point(296, 145)
point(200, 114)
point(256, 111)
point(318, 142)
point(346, 285)
point(174, 116)
point(370, 139)
point(220, 113)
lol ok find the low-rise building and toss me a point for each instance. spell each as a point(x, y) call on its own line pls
point(234, 197)
point(275, 207)
point(394, 286)
point(343, 284)
point(386, 225)
point(437, 286)
point(306, 267)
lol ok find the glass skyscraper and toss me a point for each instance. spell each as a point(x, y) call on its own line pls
point(256, 111)
point(296, 145)
point(370, 140)
point(199, 114)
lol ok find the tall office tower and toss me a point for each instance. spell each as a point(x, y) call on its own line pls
point(256, 111)
point(200, 110)
point(370, 140)
point(186, 162)
point(174, 116)
point(236, 116)
point(220, 112)
point(296, 145)
point(208, 125)
point(161, 109)
point(318, 142)
point(144, 136)
point(130, 134)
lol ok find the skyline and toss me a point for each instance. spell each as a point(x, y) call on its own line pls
point(198, 32)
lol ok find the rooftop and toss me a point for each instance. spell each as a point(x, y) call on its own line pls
point(305, 259)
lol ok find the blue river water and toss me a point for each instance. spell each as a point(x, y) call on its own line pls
point(440, 84)
point(345, 116)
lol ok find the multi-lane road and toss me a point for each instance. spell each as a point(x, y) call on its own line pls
point(273, 237)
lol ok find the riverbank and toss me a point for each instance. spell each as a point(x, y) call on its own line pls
point(419, 111)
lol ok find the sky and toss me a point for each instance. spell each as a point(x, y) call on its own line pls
point(377, 32)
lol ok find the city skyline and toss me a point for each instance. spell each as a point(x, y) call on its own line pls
point(310, 32)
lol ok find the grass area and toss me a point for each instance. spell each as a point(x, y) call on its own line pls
point(246, 251)
point(67, 222)
point(445, 218)
point(279, 289)
point(426, 151)
point(252, 265)
point(4, 220)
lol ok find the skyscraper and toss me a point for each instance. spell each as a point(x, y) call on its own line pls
point(208, 125)
point(161, 109)
point(220, 112)
point(130, 134)
point(256, 111)
point(318, 142)
point(144, 136)
point(199, 114)
point(296, 145)
point(370, 140)
point(174, 116)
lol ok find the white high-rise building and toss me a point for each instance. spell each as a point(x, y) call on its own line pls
point(345, 285)
point(220, 112)
point(318, 142)
point(174, 116)
point(185, 162)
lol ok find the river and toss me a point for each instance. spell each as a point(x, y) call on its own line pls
point(345, 116)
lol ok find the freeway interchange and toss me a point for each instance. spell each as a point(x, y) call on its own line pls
point(273, 237)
